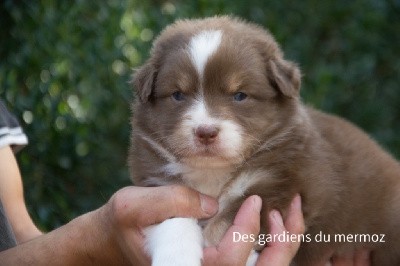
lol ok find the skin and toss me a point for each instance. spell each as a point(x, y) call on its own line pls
point(12, 197)
point(112, 234)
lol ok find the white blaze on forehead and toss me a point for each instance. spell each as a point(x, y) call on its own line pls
point(202, 46)
point(199, 115)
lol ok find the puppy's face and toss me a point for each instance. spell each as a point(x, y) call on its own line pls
point(212, 97)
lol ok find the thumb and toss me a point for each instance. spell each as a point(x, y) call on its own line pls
point(151, 205)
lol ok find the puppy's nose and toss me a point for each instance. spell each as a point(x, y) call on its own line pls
point(206, 134)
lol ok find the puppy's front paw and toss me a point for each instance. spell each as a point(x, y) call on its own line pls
point(175, 242)
point(253, 257)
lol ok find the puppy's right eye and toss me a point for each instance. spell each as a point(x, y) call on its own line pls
point(240, 96)
point(178, 96)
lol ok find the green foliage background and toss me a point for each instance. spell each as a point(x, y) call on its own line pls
point(65, 67)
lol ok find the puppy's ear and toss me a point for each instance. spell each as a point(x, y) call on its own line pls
point(284, 76)
point(144, 81)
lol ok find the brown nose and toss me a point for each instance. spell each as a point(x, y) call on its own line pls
point(206, 134)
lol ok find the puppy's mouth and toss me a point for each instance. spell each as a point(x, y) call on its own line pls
point(209, 151)
point(211, 155)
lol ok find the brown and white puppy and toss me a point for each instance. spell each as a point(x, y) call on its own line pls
point(218, 110)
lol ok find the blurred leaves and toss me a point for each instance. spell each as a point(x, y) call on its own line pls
point(65, 68)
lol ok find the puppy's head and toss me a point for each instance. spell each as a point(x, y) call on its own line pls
point(214, 90)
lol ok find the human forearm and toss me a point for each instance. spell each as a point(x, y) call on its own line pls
point(12, 197)
point(80, 242)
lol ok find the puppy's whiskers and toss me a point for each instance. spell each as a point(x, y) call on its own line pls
point(159, 149)
point(276, 140)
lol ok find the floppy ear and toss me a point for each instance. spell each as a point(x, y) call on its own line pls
point(284, 76)
point(144, 81)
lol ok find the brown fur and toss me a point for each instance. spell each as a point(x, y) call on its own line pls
point(347, 182)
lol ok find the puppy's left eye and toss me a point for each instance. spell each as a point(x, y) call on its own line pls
point(239, 96)
point(178, 96)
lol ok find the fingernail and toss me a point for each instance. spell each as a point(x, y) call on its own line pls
point(296, 202)
point(257, 203)
point(208, 204)
point(277, 217)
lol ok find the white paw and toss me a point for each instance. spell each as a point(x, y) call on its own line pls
point(175, 242)
point(253, 257)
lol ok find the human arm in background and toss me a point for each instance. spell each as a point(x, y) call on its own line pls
point(12, 197)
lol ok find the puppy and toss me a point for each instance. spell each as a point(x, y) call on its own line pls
point(218, 110)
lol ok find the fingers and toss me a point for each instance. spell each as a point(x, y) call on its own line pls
point(247, 222)
point(359, 258)
point(295, 221)
point(148, 206)
point(282, 253)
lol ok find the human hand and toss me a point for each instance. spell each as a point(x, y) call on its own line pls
point(134, 208)
point(112, 234)
point(247, 221)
